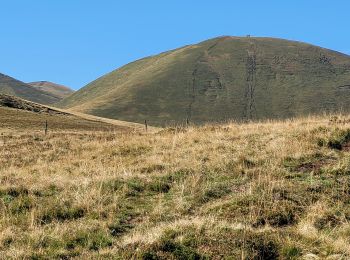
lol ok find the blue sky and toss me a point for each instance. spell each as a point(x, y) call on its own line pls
point(72, 42)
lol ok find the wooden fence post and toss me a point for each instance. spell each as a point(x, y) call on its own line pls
point(46, 127)
point(146, 126)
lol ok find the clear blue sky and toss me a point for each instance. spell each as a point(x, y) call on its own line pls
point(73, 42)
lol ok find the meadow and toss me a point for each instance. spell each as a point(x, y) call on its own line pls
point(268, 190)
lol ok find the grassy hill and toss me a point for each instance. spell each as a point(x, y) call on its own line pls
point(53, 89)
point(241, 78)
point(18, 115)
point(273, 190)
point(11, 86)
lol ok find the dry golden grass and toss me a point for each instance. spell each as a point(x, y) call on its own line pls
point(253, 191)
point(20, 114)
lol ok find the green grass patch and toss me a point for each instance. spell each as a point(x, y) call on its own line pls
point(60, 213)
point(133, 150)
point(91, 239)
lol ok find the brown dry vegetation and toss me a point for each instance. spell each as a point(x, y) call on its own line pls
point(273, 190)
point(14, 120)
point(17, 114)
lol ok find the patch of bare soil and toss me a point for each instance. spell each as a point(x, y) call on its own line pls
point(346, 146)
point(310, 166)
point(314, 166)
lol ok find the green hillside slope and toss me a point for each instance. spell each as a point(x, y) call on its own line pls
point(241, 78)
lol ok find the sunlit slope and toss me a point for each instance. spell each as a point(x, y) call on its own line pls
point(241, 78)
point(18, 115)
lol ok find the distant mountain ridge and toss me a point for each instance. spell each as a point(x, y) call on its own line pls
point(59, 91)
point(225, 78)
point(44, 93)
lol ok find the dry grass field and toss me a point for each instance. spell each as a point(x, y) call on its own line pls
point(17, 114)
point(14, 121)
point(272, 190)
